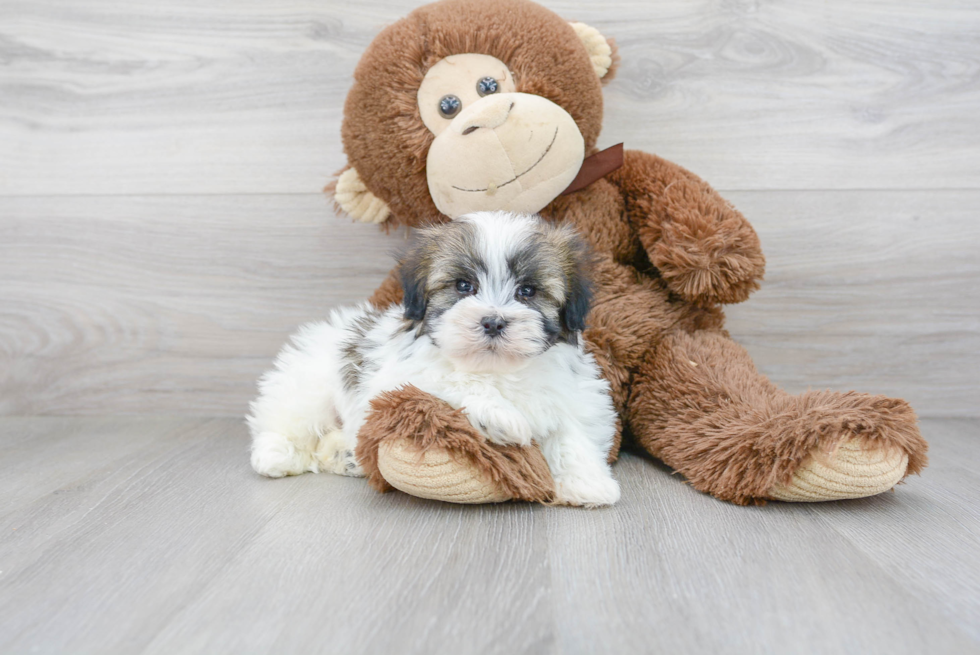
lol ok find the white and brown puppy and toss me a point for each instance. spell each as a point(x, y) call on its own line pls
point(493, 310)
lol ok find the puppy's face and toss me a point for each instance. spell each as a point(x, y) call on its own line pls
point(494, 289)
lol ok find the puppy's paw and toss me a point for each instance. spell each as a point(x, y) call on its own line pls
point(502, 425)
point(516, 433)
point(591, 491)
point(275, 456)
point(334, 455)
point(344, 463)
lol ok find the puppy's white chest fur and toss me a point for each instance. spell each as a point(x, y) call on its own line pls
point(525, 405)
point(511, 407)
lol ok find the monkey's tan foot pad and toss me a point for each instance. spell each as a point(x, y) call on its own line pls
point(434, 474)
point(851, 471)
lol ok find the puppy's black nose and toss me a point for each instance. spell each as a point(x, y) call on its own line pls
point(493, 325)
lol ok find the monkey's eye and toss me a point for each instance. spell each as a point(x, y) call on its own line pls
point(526, 291)
point(486, 86)
point(449, 106)
point(465, 287)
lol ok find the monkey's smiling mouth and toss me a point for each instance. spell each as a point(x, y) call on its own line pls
point(493, 187)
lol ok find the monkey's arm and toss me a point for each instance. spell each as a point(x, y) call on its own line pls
point(703, 247)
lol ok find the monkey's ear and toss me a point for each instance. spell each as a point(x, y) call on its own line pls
point(413, 274)
point(355, 199)
point(602, 51)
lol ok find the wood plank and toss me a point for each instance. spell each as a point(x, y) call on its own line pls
point(192, 551)
point(177, 304)
point(56, 456)
point(877, 292)
point(674, 570)
point(784, 95)
point(935, 558)
point(246, 97)
point(378, 574)
point(102, 568)
point(166, 305)
point(183, 549)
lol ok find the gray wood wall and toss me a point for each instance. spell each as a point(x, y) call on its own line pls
point(162, 228)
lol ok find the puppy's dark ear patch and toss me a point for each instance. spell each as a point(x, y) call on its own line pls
point(413, 272)
point(577, 305)
point(578, 288)
point(418, 265)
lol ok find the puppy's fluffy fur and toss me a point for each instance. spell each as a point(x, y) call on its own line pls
point(493, 309)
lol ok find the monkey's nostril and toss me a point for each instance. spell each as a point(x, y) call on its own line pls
point(471, 129)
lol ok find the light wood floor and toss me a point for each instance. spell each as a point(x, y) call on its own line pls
point(153, 535)
point(162, 230)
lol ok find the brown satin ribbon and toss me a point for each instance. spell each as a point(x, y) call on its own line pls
point(596, 166)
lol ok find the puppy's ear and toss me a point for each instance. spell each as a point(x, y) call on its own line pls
point(414, 272)
point(578, 301)
point(416, 267)
point(578, 286)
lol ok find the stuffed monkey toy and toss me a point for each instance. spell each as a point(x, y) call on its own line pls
point(466, 105)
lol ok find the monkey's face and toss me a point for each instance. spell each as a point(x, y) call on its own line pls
point(494, 148)
point(469, 105)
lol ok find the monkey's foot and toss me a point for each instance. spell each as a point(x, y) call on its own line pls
point(852, 470)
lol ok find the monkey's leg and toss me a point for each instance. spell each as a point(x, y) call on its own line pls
point(698, 404)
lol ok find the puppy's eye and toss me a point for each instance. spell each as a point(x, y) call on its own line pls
point(449, 106)
point(486, 86)
point(526, 291)
point(465, 287)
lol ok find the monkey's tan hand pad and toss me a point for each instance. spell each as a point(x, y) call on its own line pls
point(434, 474)
point(851, 471)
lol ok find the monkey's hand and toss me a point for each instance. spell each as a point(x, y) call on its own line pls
point(704, 248)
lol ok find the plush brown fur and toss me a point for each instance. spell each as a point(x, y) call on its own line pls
point(736, 435)
point(670, 251)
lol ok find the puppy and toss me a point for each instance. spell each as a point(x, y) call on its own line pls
point(494, 305)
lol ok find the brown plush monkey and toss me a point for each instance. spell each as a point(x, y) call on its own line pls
point(466, 105)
